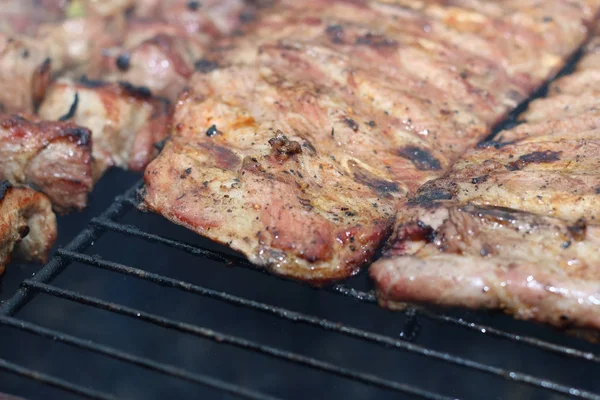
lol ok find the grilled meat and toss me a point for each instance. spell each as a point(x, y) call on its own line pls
point(24, 16)
point(460, 241)
point(157, 55)
point(296, 143)
point(532, 266)
point(53, 157)
point(126, 121)
point(27, 225)
point(25, 69)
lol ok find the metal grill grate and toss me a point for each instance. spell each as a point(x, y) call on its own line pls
point(108, 222)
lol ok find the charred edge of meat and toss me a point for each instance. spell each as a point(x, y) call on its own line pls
point(72, 110)
point(335, 33)
point(578, 230)
point(311, 149)
point(141, 92)
point(492, 143)
point(24, 231)
point(283, 147)
point(598, 190)
point(537, 157)
point(81, 135)
point(422, 159)
point(92, 83)
point(4, 187)
point(247, 16)
point(123, 61)
point(206, 66)
point(40, 82)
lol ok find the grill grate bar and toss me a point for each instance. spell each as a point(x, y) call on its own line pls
point(80, 242)
point(320, 322)
point(89, 345)
point(222, 338)
point(367, 297)
point(53, 381)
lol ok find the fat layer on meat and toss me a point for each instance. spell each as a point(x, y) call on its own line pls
point(27, 225)
point(125, 121)
point(297, 142)
point(53, 157)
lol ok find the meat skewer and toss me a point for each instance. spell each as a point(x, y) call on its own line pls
point(53, 157)
point(297, 143)
point(27, 225)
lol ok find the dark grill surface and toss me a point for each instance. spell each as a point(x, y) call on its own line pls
point(157, 315)
point(138, 308)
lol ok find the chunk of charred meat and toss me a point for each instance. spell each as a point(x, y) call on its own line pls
point(25, 69)
point(54, 157)
point(27, 225)
point(126, 121)
point(325, 115)
point(533, 267)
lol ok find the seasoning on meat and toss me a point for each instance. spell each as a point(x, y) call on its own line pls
point(430, 78)
point(27, 225)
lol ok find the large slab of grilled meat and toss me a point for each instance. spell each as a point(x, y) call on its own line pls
point(297, 142)
point(27, 224)
point(514, 224)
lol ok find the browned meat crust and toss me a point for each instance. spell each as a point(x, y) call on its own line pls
point(54, 157)
point(296, 143)
point(534, 267)
point(457, 244)
point(27, 225)
point(125, 121)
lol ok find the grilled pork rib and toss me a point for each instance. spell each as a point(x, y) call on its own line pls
point(514, 224)
point(125, 121)
point(27, 225)
point(54, 157)
point(296, 143)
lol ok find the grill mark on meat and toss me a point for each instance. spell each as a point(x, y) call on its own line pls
point(4, 187)
point(422, 159)
point(81, 135)
point(223, 157)
point(72, 109)
point(379, 185)
point(141, 92)
point(351, 124)
point(283, 148)
point(428, 195)
point(479, 179)
point(92, 83)
point(578, 230)
point(536, 157)
point(335, 33)
point(206, 66)
point(376, 41)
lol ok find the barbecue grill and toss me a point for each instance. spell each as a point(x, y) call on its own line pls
point(135, 307)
